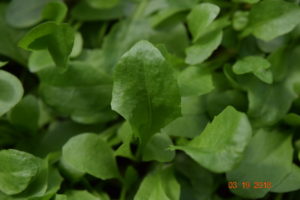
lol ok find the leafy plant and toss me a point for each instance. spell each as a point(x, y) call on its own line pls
point(149, 100)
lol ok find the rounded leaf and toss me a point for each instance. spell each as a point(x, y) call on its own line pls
point(90, 154)
point(11, 91)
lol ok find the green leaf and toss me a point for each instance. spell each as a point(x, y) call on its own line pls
point(290, 183)
point(200, 18)
point(247, 1)
point(55, 11)
point(292, 119)
point(268, 158)
point(17, 170)
point(160, 184)
point(100, 4)
point(58, 39)
point(126, 135)
point(80, 195)
point(256, 65)
point(90, 154)
point(193, 186)
point(202, 49)
point(39, 60)
point(3, 63)
point(38, 185)
point(145, 91)
point(23, 14)
point(84, 12)
point(240, 20)
point(78, 45)
point(268, 103)
point(194, 81)
point(157, 149)
point(221, 145)
point(60, 197)
point(272, 18)
point(9, 37)
point(193, 119)
point(26, 114)
point(11, 91)
point(86, 92)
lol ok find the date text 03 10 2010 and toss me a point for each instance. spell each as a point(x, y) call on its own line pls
point(247, 185)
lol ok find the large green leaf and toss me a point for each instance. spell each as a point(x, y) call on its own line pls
point(268, 158)
point(221, 145)
point(11, 91)
point(90, 154)
point(160, 184)
point(145, 91)
point(272, 18)
point(17, 169)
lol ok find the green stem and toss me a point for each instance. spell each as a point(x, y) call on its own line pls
point(123, 193)
point(140, 10)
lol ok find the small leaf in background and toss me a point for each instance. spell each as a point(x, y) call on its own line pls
point(55, 10)
point(272, 18)
point(17, 170)
point(26, 114)
point(240, 20)
point(90, 154)
point(3, 63)
point(158, 149)
point(78, 45)
point(80, 195)
point(194, 81)
point(201, 17)
point(11, 91)
point(57, 38)
point(292, 119)
point(267, 158)
point(193, 120)
point(256, 65)
point(100, 4)
point(268, 103)
point(160, 184)
point(221, 145)
point(202, 49)
point(23, 14)
point(145, 92)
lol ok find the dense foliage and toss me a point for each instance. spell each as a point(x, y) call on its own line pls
point(149, 99)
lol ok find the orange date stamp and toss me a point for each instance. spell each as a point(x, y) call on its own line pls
point(248, 185)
